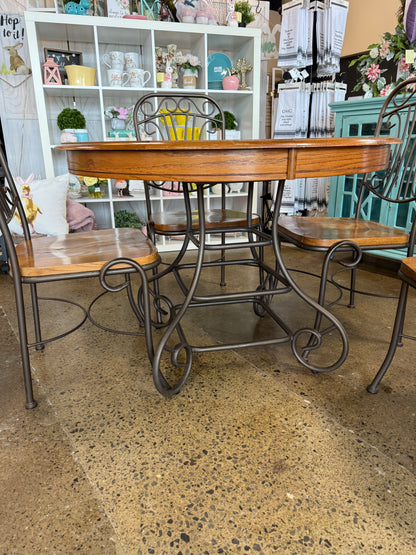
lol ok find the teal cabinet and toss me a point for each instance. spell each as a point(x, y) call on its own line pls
point(358, 118)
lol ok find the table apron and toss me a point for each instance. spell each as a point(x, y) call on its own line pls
point(206, 166)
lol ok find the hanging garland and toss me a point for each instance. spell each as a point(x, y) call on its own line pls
point(392, 47)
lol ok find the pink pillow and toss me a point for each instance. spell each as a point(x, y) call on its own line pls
point(410, 21)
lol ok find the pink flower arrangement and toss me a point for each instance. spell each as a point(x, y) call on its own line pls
point(122, 113)
point(373, 72)
point(118, 112)
point(190, 62)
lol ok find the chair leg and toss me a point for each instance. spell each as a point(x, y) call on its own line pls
point(324, 278)
point(152, 236)
point(144, 318)
point(321, 300)
point(352, 288)
point(395, 339)
point(21, 322)
point(36, 318)
point(132, 302)
point(222, 282)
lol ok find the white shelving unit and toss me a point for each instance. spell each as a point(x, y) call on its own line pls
point(95, 36)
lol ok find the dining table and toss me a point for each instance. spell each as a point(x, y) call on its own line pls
point(256, 161)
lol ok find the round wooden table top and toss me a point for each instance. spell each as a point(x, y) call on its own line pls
point(229, 161)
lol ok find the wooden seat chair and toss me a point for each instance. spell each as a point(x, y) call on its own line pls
point(395, 186)
point(407, 274)
point(64, 257)
point(166, 116)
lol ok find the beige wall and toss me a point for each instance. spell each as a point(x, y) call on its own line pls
point(367, 21)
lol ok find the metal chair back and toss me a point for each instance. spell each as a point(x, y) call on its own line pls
point(10, 206)
point(396, 185)
point(397, 118)
point(178, 117)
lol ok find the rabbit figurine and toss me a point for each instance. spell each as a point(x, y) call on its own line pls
point(30, 208)
point(16, 62)
point(167, 81)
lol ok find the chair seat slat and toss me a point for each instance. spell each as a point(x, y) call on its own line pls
point(310, 231)
point(83, 252)
point(408, 267)
point(176, 221)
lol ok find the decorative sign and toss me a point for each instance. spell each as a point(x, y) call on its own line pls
point(14, 55)
point(117, 8)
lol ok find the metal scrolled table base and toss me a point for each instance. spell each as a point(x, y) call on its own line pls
point(260, 299)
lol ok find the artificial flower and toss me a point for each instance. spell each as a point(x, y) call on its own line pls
point(119, 112)
point(373, 72)
point(385, 91)
point(189, 61)
point(384, 50)
point(403, 66)
point(90, 180)
point(94, 185)
point(392, 47)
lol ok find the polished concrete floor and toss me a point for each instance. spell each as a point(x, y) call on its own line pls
point(255, 455)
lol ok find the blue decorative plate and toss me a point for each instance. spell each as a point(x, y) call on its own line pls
point(217, 64)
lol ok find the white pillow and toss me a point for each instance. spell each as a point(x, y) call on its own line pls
point(44, 202)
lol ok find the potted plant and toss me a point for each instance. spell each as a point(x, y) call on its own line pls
point(190, 65)
point(118, 115)
point(72, 124)
point(244, 8)
point(122, 218)
point(94, 185)
point(231, 124)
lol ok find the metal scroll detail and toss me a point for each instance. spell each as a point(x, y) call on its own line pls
point(314, 336)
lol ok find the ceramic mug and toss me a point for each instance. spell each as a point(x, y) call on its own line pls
point(131, 60)
point(117, 78)
point(114, 59)
point(138, 77)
